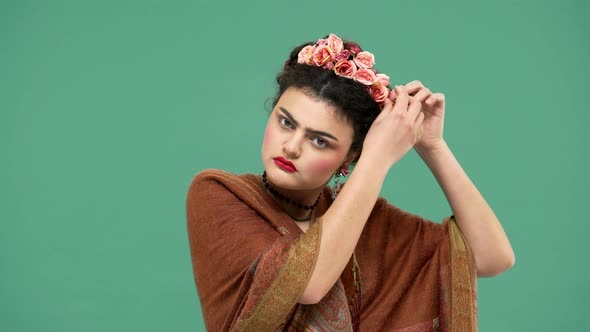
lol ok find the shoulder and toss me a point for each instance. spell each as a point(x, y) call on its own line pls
point(213, 176)
point(217, 197)
point(207, 180)
point(214, 184)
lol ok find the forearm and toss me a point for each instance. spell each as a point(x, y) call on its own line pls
point(342, 226)
point(477, 221)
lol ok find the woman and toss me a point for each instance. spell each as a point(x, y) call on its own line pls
point(281, 251)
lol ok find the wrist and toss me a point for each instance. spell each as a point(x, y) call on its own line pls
point(435, 157)
point(431, 149)
point(372, 166)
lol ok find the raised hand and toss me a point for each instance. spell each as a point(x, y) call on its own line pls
point(395, 131)
point(433, 107)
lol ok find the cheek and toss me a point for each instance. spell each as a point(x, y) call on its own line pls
point(325, 166)
point(268, 135)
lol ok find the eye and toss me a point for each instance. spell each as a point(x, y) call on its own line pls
point(320, 142)
point(285, 122)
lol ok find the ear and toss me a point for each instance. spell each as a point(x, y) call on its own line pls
point(349, 159)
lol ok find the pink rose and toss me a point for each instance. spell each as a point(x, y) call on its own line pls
point(322, 55)
point(383, 79)
point(353, 47)
point(305, 54)
point(344, 55)
point(329, 65)
point(379, 92)
point(345, 68)
point(365, 76)
point(335, 43)
point(322, 42)
point(365, 59)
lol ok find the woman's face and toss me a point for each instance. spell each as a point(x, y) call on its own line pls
point(310, 135)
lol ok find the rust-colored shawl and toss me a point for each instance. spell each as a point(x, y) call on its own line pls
point(252, 262)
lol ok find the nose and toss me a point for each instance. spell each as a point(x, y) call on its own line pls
point(292, 146)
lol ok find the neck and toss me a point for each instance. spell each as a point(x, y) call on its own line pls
point(298, 204)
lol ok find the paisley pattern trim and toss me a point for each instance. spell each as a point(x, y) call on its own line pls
point(464, 282)
point(279, 300)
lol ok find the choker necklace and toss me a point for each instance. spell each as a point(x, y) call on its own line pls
point(288, 200)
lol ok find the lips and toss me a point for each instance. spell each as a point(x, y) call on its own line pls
point(285, 164)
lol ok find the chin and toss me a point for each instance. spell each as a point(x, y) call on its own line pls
point(289, 181)
point(281, 178)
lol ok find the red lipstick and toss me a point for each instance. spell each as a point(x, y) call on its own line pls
point(285, 164)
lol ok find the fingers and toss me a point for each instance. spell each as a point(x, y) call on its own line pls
point(392, 96)
point(402, 99)
point(420, 120)
point(414, 109)
point(435, 98)
point(422, 95)
point(413, 87)
point(411, 112)
point(387, 107)
point(419, 127)
point(418, 91)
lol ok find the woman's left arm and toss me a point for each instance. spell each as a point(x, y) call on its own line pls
point(475, 218)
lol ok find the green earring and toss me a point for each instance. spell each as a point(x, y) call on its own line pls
point(342, 172)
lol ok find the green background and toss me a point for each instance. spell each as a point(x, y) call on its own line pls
point(108, 109)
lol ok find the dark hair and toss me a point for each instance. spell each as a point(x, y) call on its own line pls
point(350, 98)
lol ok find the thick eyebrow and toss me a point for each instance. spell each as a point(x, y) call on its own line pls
point(308, 130)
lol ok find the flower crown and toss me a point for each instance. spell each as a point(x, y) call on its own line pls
point(351, 62)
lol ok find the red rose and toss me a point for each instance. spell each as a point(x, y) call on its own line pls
point(344, 55)
point(353, 47)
